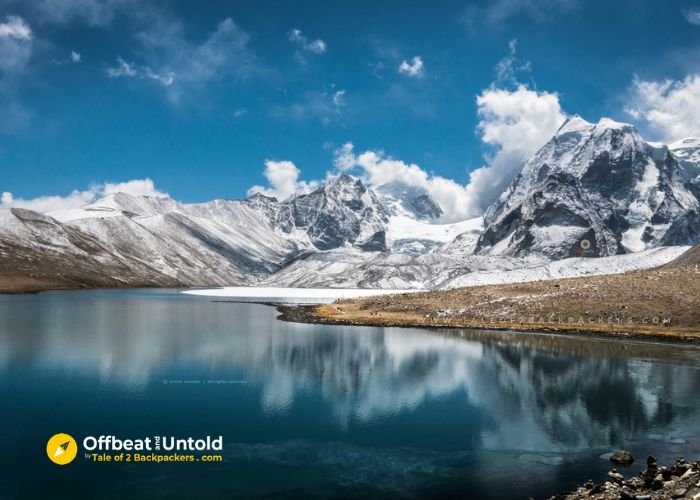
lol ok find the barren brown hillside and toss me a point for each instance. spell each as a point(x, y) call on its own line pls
point(659, 302)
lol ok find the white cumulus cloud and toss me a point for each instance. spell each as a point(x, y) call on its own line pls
point(516, 123)
point(513, 123)
point(283, 178)
point(376, 169)
point(134, 187)
point(78, 198)
point(414, 69)
point(670, 108)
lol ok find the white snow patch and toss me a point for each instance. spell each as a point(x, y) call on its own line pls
point(401, 227)
point(642, 208)
point(573, 267)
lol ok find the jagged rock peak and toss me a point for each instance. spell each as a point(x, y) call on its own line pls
point(593, 189)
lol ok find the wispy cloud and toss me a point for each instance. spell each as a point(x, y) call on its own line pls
point(124, 69)
point(16, 45)
point(90, 12)
point(182, 67)
point(414, 69)
point(15, 48)
point(324, 106)
point(510, 67)
point(316, 46)
point(692, 15)
point(494, 13)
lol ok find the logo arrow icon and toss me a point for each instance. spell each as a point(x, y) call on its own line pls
point(61, 449)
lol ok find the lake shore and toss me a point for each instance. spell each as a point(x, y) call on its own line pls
point(680, 480)
point(657, 304)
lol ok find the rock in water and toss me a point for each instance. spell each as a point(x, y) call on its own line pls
point(622, 457)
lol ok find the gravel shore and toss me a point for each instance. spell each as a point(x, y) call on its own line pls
point(680, 480)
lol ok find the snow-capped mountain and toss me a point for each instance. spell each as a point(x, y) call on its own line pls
point(216, 243)
point(413, 226)
point(341, 212)
point(687, 152)
point(592, 190)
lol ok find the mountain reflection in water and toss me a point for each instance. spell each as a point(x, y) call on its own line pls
point(456, 390)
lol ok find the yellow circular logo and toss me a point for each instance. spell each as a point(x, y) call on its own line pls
point(61, 449)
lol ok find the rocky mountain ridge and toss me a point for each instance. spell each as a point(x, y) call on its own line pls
point(593, 190)
point(596, 190)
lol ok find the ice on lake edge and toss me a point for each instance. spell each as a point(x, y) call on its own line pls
point(294, 295)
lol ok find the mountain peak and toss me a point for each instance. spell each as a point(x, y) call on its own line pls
point(574, 124)
point(342, 182)
point(609, 123)
point(600, 185)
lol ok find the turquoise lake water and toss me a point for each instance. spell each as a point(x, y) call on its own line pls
point(312, 411)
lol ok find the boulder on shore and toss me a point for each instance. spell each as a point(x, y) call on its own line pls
point(622, 457)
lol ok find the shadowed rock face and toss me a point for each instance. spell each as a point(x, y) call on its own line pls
point(341, 212)
point(592, 190)
point(423, 204)
point(401, 198)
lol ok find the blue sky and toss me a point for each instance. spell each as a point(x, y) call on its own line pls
point(197, 96)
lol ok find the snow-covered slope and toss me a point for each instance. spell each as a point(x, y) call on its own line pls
point(224, 242)
point(343, 269)
point(414, 237)
point(414, 225)
point(687, 152)
point(571, 268)
point(592, 190)
point(40, 246)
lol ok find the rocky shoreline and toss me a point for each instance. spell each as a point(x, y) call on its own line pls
point(314, 314)
point(680, 480)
